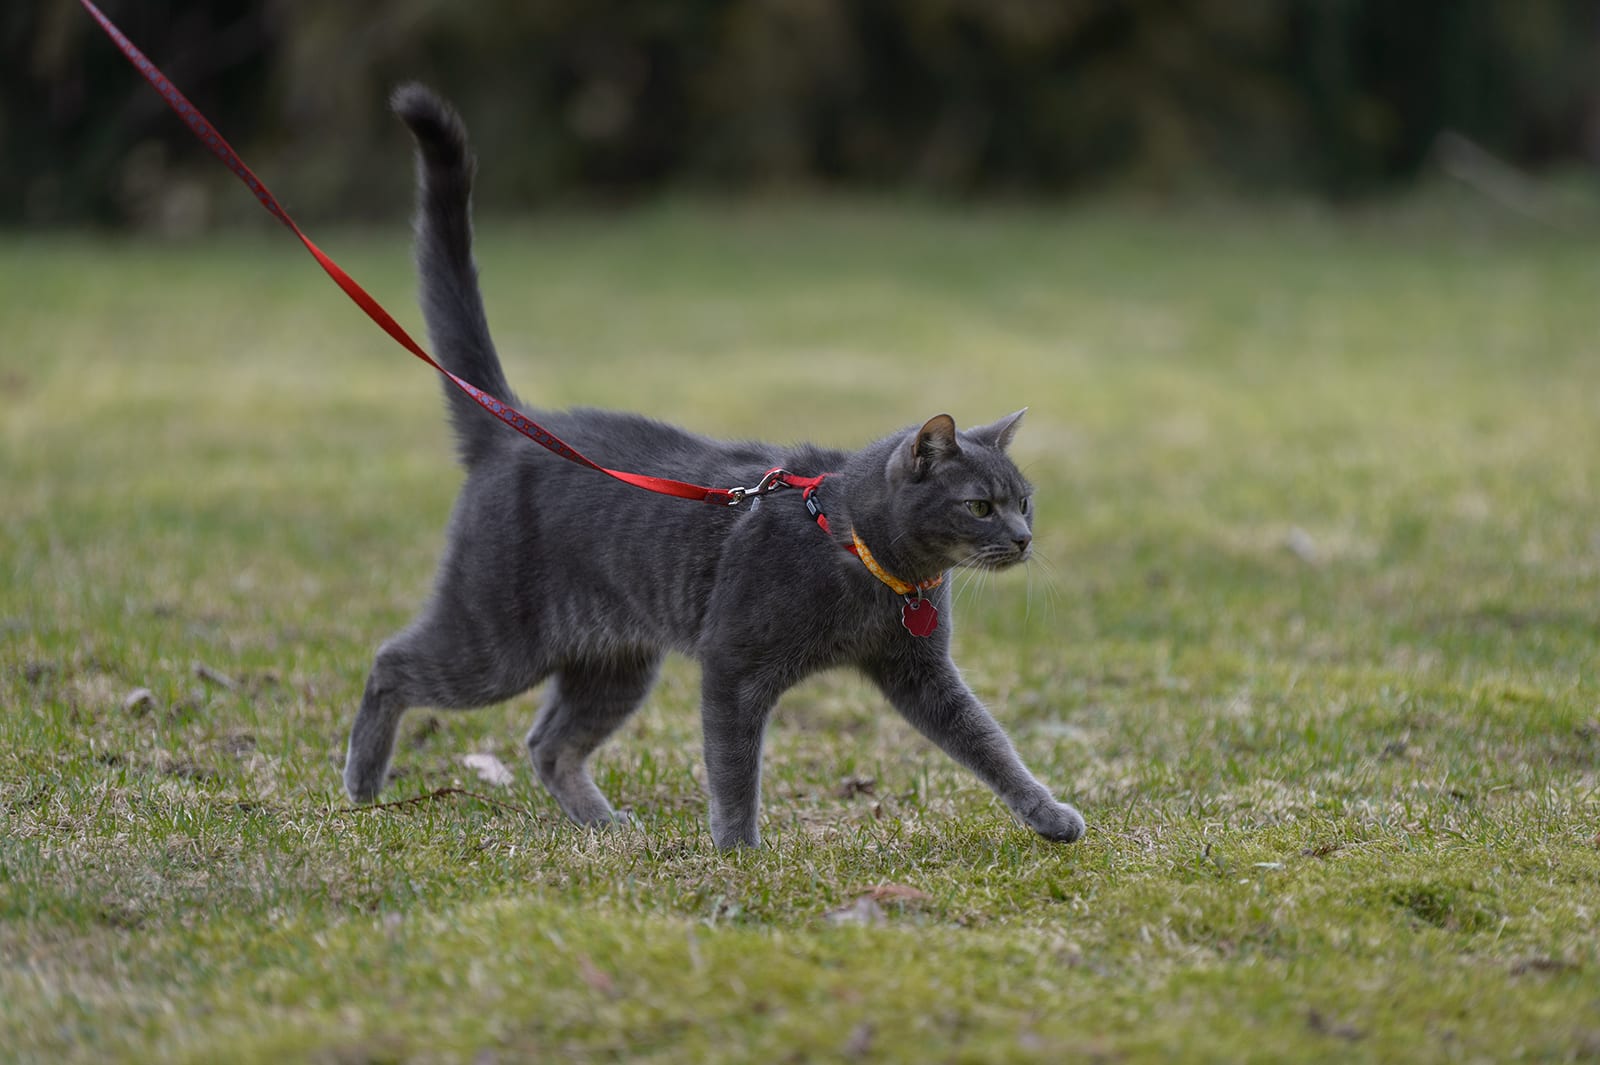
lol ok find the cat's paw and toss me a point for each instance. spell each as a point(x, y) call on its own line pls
point(362, 782)
point(612, 821)
point(1056, 821)
point(730, 833)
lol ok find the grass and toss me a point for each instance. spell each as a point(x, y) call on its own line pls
point(1312, 643)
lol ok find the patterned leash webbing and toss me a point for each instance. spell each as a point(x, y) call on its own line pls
point(202, 128)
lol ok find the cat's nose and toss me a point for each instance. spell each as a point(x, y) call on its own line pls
point(1022, 540)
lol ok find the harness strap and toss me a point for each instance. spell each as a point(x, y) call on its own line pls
point(856, 546)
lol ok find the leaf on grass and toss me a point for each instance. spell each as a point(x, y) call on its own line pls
point(489, 769)
point(868, 907)
point(863, 911)
point(139, 701)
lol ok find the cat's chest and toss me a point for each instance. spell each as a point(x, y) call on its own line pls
point(789, 585)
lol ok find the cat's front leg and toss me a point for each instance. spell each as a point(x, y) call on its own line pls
point(733, 712)
point(930, 694)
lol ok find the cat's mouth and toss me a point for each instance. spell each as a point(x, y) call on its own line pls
point(996, 557)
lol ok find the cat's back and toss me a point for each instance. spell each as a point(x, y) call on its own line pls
point(637, 443)
point(606, 561)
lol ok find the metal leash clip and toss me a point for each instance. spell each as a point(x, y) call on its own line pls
point(771, 481)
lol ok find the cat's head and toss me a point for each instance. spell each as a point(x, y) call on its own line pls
point(958, 496)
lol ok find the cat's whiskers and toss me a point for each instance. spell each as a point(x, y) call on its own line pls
point(963, 574)
point(1048, 582)
point(978, 578)
point(975, 570)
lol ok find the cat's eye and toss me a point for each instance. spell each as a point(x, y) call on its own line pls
point(981, 508)
point(1027, 502)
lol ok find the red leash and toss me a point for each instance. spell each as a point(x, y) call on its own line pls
point(202, 128)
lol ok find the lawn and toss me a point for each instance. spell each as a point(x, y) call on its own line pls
point(1311, 642)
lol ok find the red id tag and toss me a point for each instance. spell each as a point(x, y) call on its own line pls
point(920, 617)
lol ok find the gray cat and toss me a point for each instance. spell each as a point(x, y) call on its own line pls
point(556, 572)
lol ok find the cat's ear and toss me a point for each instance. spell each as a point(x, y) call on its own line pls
point(1000, 433)
point(934, 442)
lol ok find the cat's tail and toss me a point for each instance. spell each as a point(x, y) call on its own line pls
point(448, 278)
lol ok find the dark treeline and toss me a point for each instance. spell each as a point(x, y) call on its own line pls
point(952, 97)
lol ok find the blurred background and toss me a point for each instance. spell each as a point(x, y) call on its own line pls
point(609, 102)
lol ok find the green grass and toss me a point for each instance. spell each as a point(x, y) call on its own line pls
point(1312, 644)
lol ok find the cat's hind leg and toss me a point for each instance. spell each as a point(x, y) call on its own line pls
point(587, 701)
point(437, 661)
point(734, 709)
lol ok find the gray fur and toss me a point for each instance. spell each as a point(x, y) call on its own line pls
point(555, 572)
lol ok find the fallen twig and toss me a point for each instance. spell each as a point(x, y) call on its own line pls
point(435, 794)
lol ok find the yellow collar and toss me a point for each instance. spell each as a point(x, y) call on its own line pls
point(900, 587)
